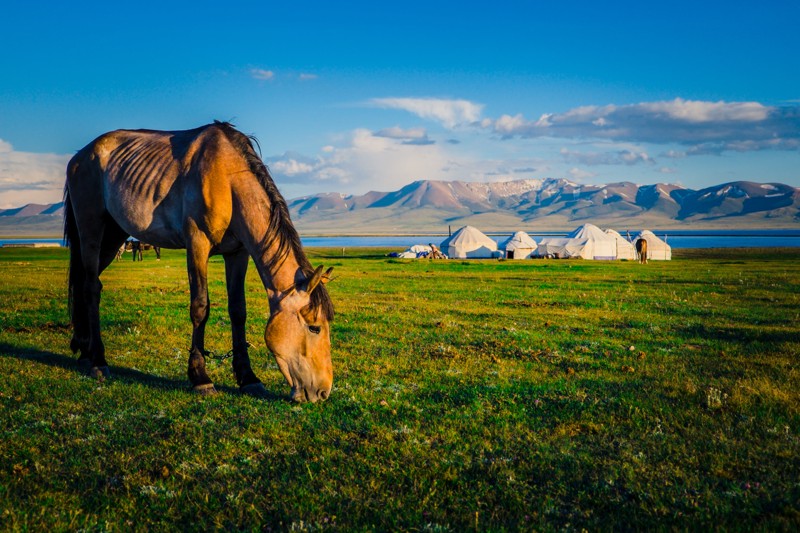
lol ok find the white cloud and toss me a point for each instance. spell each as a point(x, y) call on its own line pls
point(450, 113)
point(408, 136)
point(366, 161)
point(508, 125)
point(618, 157)
point(291, 167)
point(711, 126)
point(700, 112)
point(262, 74)
point(305, 76)
point(579, 174)
point(385, 161)
point(27, 177)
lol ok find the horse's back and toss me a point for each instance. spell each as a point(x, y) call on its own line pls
point(148, 180)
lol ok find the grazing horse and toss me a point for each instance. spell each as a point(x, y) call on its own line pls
point(205, 190)
point(138, 247)
point(641, 250)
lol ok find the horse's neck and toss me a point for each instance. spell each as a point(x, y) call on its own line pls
point(277, 275)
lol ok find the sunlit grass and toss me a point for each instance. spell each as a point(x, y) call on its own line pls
point(467, 395)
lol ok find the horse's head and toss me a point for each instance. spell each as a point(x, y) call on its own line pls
point(298, 335)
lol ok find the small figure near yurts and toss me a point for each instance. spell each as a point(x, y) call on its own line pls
point(641, 250)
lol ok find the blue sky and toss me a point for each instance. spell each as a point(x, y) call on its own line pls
point(358, 96)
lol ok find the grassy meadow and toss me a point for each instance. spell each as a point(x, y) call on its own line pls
point(468, 395)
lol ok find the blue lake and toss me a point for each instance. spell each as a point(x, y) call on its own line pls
point(676, 239)
point(685, 239)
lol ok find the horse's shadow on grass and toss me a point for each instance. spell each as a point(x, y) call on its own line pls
point(117, 372)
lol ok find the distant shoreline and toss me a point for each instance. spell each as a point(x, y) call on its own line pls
point(757, 232)
point(753, 238)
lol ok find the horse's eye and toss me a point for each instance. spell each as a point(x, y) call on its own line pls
point(314, 329)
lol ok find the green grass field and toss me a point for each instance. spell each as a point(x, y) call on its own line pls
point(486, 395)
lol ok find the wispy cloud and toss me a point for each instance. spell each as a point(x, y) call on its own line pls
point(450, 113)
point(708, 126)
point(618, 157)
point(389, 159)
point(416, 136)
point(306, 76)
point(579, 174)
point(367, 160)
point(27, 177)
point(262, 74)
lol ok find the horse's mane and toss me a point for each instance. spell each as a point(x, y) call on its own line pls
point(280, 225)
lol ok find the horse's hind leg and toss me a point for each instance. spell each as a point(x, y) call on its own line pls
point(235, 272)
point(79, 312)
point(96, 255)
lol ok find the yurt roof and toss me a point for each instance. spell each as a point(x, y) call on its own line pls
point(469, 236)
point(651, 238)
point(589, 231)
point(616, 235)
point(520, 240)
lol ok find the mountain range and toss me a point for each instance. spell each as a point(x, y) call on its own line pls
point(550, 205)
point(534, 204)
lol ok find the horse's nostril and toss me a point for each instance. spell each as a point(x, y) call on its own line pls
point(323, 394)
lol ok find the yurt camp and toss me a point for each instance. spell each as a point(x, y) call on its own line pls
point(469, 243)
point(587, 241)
point(656, 248)
point(519, 246)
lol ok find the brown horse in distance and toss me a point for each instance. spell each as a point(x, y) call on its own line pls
point(205, 190)
point(641, 250)
point(138, 248)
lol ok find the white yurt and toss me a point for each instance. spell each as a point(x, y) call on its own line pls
point(416, 251)
point(518, 246)
point(625, 249)
point(553, 247)
point(587, 241)
point(656, 248)
point(469, 243)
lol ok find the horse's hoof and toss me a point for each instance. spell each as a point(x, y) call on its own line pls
point(205, 389)
point(100, 373)
point(256, 390)
point(85, 365)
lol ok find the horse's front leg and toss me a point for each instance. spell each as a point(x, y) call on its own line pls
point(235, 273)
point(197, 258)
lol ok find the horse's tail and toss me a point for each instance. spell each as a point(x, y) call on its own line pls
point(72, 240)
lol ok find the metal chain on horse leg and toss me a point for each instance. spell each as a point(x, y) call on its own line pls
point(223, 357)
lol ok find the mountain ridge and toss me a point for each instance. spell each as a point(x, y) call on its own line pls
point(552, 204)
point(546, 204)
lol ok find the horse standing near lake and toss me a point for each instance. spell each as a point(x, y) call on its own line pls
point(205, 190)
point(641, 250)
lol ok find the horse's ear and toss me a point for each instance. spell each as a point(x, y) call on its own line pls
point(315, 280)
point(326, 277)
